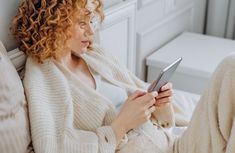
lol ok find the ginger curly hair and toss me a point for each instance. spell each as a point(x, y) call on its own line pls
point(42, 27)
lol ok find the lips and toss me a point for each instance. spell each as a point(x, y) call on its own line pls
point(86, 42)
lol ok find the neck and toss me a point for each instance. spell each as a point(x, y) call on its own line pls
point(70, 60)
point(65, 58)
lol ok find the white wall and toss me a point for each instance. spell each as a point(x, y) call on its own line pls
point(7, 11)
point(118, 32)
point(159, 21)
point(110, 3)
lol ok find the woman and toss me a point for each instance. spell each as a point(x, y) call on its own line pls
point(70, 85)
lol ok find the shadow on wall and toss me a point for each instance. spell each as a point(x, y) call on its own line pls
point(7, 12)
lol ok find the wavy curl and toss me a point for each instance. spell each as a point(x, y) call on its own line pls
point(42, 27)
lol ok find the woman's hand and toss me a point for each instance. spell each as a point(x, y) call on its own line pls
point(165, 95)
point(135, 111)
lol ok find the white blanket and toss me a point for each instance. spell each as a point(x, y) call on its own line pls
point(187, 101)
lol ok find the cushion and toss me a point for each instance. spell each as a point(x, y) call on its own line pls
point(14, 123)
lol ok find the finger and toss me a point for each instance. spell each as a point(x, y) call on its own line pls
point(162, 104)
point(149, 111)
point(163, 100)
point(150, 104)
point(148, 117)
point(166, 93)
point(166, 86)
point(148, 97)
point(152, 109)
point(136, 94)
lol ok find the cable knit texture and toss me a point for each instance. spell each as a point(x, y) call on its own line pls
point(66, 115)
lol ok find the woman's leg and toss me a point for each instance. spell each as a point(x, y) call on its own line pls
point(212, 127)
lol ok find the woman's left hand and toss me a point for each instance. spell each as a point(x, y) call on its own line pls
point(165, 95)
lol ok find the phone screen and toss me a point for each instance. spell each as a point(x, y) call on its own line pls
point(164, 76)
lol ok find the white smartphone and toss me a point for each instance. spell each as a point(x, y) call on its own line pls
point(164, 76)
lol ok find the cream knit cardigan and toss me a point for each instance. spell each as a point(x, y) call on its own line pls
point(67, 116)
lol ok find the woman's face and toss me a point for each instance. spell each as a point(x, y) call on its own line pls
point(81, 38)
point(82, 32)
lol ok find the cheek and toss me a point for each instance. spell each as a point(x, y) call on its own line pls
point(75, 43)
point(78, 35)
point(77, 32)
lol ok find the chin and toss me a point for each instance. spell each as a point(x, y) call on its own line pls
point(80, 51)
point(84, 50)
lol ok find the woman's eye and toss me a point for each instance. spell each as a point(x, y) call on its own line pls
point(82, 24)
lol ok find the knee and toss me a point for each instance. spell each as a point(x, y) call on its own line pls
point(230, 59)
point(228, 62)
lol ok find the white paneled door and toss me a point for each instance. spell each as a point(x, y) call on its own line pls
point(117, 34)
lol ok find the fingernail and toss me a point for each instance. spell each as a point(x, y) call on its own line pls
point(154, 94)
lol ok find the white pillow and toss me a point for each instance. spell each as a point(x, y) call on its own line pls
point(14, 129)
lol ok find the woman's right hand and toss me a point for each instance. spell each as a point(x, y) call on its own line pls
point(135, 111)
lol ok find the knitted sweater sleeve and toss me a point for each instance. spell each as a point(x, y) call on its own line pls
point(51, 116)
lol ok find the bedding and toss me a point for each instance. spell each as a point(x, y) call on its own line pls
point(14, 124)
point(187, 101)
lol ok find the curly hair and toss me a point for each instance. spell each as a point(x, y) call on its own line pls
point(42, 27)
